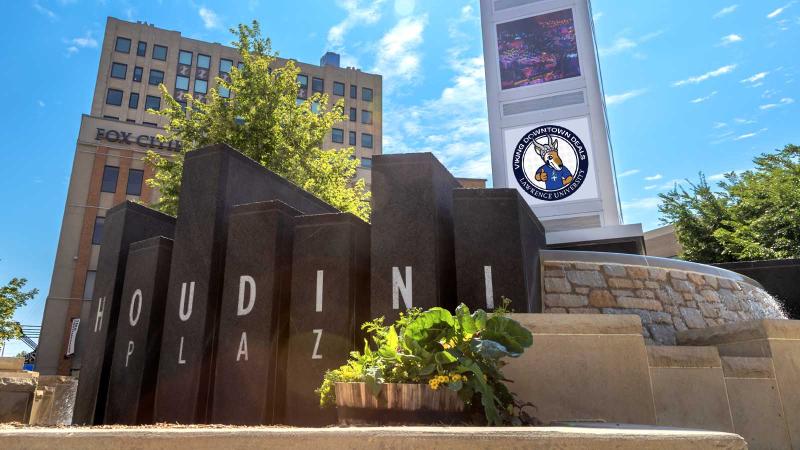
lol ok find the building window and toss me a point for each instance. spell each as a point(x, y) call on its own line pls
point(141, 48)
point(133, 100)
point(201, 86)
point(203, 61)
point(225, 65)
point(110, 175)
point(366, 116)
point(137, 74)
point(366, 162)
point(160, 52)
point(351, 135)
point(123, 45)
point(150, 124)
point(119, 70)
point(182, 83)
point(88, 286)
point(317, 85)
point(366, 94)
point(366, 140)
point(114, 97)
point(110, 117)
point(353, 113)
point(338, 88)
point(135, 178)
point(152, 102)
point(302, 80)
point(353, 91)
point(240, 66)
point(130, 120)
point(337, 135)
point(315, 107)
point(97, 233)
point(185, 57)
point(156, 77)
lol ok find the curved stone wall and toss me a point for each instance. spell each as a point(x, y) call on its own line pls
point(668, 295)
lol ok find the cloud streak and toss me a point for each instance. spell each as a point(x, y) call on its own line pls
point(398, 57)
point(209, 17)
point(725, 11)
point(616, 99)
point(703, 99)
point(706, 76)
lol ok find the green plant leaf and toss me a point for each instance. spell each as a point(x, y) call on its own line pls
point(490, 349)
point(444, 357)
point(455, 386)
point(508, 333)
point(479, 319)
point(431, 325)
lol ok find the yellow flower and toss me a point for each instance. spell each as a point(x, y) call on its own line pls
point(442, 378)
point(433, 383)
point(455, 377)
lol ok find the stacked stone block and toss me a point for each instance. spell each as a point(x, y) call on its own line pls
point(667, 300)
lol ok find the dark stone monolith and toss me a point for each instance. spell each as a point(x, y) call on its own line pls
point(330, 300)
point(125, 223)
point(412, 234)
point(215, 178)
point(254, 316)
point(134, 368)
point(497, 242)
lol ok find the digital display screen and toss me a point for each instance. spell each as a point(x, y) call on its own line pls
point(537, 49)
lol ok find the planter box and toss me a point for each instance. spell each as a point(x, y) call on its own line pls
point(399, 404)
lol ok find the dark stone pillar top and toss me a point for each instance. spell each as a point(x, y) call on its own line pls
point(503, 193)
point(302, 199)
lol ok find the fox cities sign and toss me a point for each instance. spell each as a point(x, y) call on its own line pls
point(142, 140)
point(550, 162)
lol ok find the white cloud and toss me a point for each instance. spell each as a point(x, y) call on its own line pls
point(741, 121)
point(757, 77)
point(628, 173)
point(650, 187)
point(782, 102)
point(700, 78)
point(210, 18)
point(358, 13)
point(779, 11)
point(597, 16)
point(730, 39)
point(404, 7)
point(642, 203)
point(87, 41)
point(725, 11)
point(452, 126)
point(703, 99)
point(44, 11)
point(718, 125)
point(622, 43)
point(655, 177)
point(625, 96)
point(40, 103)
point(398, 58)
point(749, 135)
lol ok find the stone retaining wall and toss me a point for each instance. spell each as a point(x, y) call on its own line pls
point(667, 300)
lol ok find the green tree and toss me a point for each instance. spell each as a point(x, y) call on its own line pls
point(262, 118)
point(753, 215)
point(12, 297)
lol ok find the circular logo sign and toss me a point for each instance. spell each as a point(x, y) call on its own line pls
point(550, 162)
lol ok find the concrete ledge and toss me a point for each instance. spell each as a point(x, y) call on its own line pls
point(741, 331)
point(746, 367)
point(685, 357)
point(181, 438)
point(580, 323)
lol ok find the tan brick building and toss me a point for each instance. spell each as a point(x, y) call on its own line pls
point(107, 168)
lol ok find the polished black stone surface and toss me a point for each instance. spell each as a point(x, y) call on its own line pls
point(125, 223)
point(412, 234)
point(778, 276)
point(254, 315)
point(330, 300)
point(215, 178)
point(134, 367)
point(497, 242)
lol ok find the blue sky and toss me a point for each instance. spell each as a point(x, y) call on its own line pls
point(691, 86)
